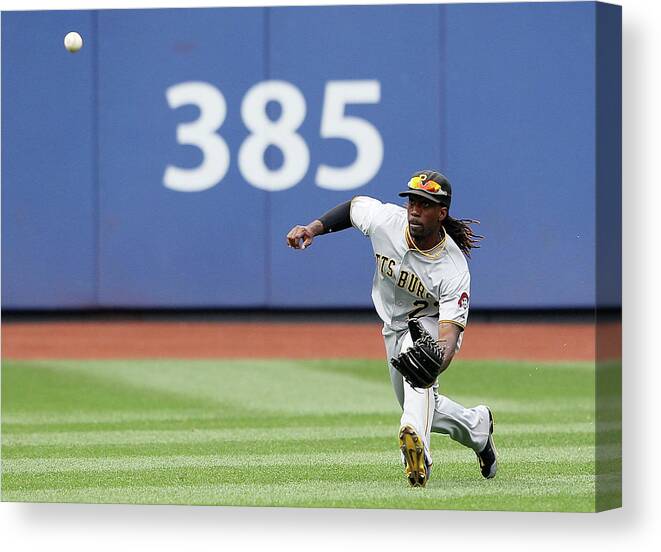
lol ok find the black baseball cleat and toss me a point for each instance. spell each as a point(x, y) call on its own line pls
point(417, 468)
point(487, 458)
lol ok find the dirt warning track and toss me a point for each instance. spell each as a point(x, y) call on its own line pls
point(104, 340)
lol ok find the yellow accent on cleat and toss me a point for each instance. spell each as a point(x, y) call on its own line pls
point(414, 454)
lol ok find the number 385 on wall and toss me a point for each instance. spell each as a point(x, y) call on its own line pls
point(281, 133)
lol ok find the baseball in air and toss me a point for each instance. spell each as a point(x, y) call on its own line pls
point(73, 41)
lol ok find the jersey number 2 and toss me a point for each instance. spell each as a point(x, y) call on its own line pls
point(422, 305)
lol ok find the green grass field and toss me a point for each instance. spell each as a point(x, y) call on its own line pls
point(288, 433)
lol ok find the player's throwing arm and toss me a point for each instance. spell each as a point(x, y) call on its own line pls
point(338, 218)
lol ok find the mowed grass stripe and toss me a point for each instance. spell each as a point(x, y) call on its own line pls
point(392, 494)
point(240, 384)
point(101, 418)
point(285, 446)
point(386, 471)
point(548, 455)
point(512, 411)
point(214, 420)
point(114, 437)
point(298, 386)
point(568, 409)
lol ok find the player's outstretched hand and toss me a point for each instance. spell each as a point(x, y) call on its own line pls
point(300, 237)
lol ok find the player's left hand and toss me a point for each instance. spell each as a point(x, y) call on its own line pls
point(423, 362)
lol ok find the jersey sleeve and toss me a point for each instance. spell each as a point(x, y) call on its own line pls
point(365, 213)
point(454, 300)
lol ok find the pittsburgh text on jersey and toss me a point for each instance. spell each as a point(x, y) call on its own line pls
point(406, 280)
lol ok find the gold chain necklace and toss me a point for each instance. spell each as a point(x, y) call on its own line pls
point(429, 253)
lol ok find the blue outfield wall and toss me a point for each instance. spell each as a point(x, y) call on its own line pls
point(48, 163)
point(164, 163)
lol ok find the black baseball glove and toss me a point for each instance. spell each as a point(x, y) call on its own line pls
point(422, 363)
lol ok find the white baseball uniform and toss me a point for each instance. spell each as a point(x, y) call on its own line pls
point(431, 285)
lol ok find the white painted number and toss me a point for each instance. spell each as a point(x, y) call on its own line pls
point(280, 133)
point(335, 124)
point(200, 133)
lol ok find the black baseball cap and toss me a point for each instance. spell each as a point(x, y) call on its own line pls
point(431, 185)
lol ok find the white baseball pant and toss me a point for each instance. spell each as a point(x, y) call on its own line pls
point(426, 410)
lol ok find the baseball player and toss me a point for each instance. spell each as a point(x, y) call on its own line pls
point(421, 291)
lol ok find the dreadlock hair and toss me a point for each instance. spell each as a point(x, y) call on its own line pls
point(461, 232)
